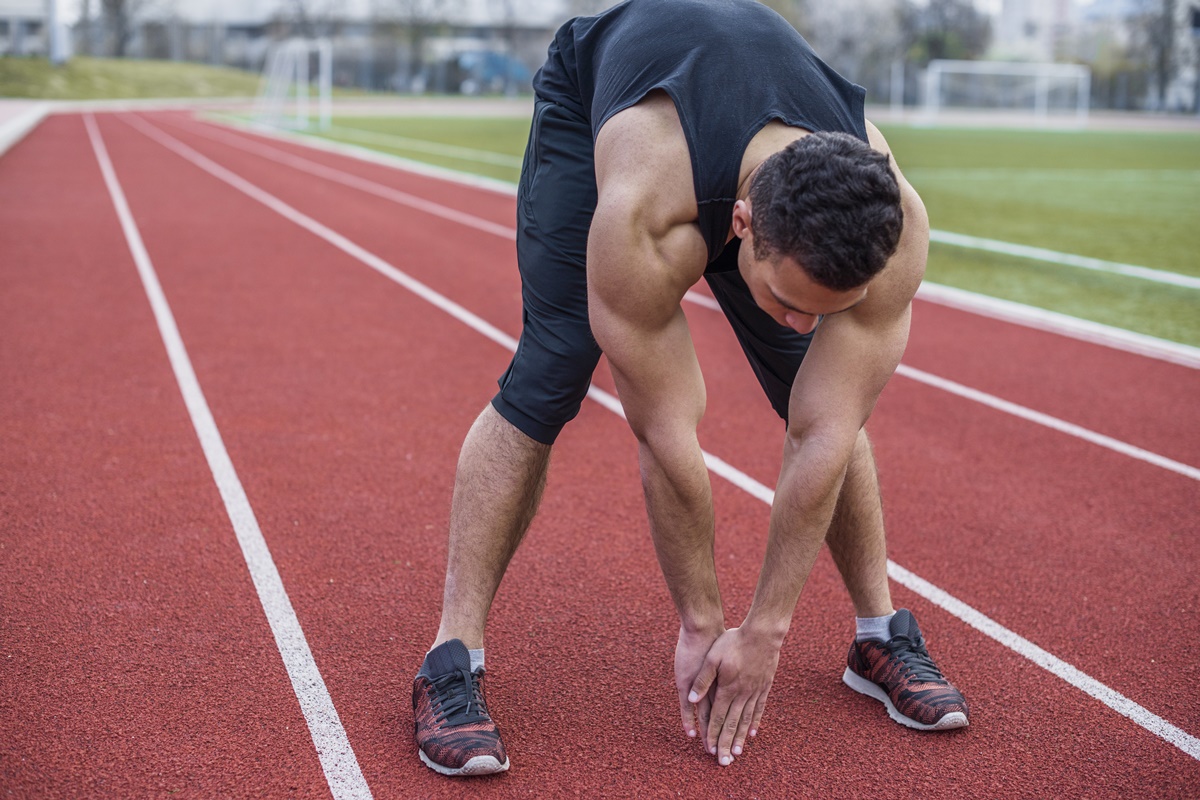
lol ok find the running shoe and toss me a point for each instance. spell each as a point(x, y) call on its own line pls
point(455, 734)
point(901, 674)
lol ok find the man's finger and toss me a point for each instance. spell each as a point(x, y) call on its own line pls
point(703, 712)
point(728, 732)
point(743, 728)
point(759, 708)
point(717, 718)
point(687, 712)
point(703, 680)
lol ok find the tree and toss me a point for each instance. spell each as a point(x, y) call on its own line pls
point(944, 29)
point(1154, 27)
point(416, 21)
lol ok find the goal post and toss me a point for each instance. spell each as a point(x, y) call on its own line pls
point(1041, 89)
point(286, 86)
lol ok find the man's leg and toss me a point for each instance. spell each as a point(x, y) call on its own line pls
point(501, 474)
point(888, 660)
point(503, 462)
point(856, 538)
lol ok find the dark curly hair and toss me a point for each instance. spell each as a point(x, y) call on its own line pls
point(831, 203)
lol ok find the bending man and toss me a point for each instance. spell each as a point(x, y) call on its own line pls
point(675, 140)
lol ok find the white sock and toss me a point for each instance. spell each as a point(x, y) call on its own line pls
point(873, 628)
point(476, 659)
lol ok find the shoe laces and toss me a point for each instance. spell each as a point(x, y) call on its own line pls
point(458, 698)
point(916, 659)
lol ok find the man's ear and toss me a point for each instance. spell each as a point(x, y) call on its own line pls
point(742, 216)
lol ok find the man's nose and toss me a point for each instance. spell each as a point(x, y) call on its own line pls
point(802, 323)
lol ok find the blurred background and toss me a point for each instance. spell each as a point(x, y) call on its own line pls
point(1140, 54)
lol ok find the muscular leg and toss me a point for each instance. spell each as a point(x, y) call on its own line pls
point(501, 474)
point(856, 539)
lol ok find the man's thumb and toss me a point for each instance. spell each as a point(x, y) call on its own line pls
point(703, 680)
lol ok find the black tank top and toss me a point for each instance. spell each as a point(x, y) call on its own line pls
point(730, 66)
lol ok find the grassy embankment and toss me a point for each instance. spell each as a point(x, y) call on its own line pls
point(109, 78)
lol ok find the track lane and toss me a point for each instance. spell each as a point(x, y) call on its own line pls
point(1153, 565)
point(570, 625)
point(135, 658)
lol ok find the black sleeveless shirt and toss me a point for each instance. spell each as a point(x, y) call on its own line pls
point(730, 66)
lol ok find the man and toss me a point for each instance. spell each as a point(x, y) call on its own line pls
point(674, 140)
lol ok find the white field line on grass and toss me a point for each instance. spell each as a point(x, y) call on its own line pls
point(423, 146)
point(940, 236)
point(342, 771)
point(1051, 175)
point(1062, 324)
point(1008, 311)
point(1152, 722)
point(1066, 259)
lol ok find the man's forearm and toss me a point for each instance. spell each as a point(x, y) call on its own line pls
point(679, 505)
point(805, 498)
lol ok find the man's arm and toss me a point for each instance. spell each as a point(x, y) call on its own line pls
point(640, 264)
point(851, 359)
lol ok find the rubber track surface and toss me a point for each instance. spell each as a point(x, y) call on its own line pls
point(137, 660)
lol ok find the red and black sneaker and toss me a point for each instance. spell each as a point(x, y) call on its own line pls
point(901, 674)
point(455, 733)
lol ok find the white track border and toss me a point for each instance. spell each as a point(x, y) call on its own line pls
point(1161, 728)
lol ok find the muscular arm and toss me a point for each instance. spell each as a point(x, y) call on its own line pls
point(635, 282)
point(852, 357)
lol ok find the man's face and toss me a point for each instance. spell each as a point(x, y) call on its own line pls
point(782, 288)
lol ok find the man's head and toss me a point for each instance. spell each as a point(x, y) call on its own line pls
point(829, 205)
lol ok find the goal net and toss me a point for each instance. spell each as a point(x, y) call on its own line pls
point(286, 88)
point(1043, 90)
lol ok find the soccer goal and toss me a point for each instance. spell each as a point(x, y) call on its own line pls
point(286, 85)
point(1043, 90)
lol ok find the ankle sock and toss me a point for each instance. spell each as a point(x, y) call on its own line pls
point(873, 628)
point(476, 659)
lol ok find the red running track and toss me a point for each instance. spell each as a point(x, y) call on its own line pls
point(136, 656)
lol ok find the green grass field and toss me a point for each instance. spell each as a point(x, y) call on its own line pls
point(84, 78)
point(1125, 197)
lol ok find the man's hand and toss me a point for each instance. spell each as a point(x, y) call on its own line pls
point(733, 683)
point(689, 657)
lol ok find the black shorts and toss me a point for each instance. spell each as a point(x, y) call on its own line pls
point(544, 385)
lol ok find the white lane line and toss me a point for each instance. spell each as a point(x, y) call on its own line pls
point(1015, 313)
point(1118, 702)
point(1048, 421)
point(1064, 259)
point(358, 153)
point(1113, 699)
point(1020, 411)
point(707, 302)
point(362, 184)
point(342, 772)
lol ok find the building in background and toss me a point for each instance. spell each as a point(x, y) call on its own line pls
point(22, 27)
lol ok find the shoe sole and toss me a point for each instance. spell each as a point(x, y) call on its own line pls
point(479, 765)
point(955, 719)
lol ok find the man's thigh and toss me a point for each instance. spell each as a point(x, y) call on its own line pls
point(545, 383)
